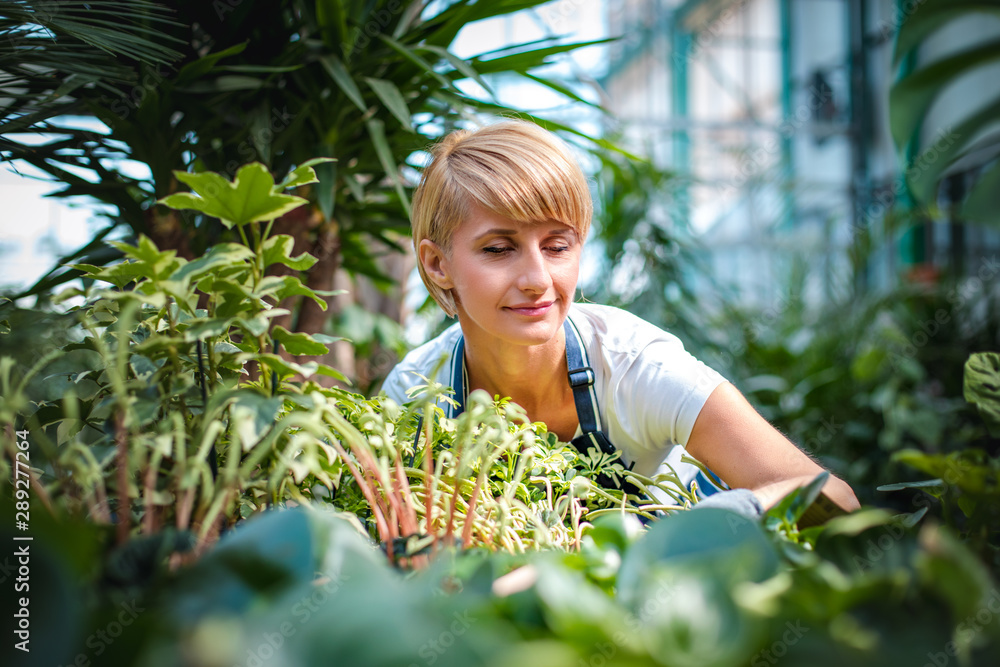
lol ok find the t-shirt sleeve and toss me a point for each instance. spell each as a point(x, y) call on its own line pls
point(661, 392)
point(394, 385)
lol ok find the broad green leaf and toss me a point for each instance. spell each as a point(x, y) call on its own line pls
point(333, 24)
point(709, 538)
point(343, 79)
point(298, 343)
point(948, 568)
point(251, 197)
point(462, 66)
point(982, 387)
point(146, 251)
point(425, 66)
point(328, 371)
point(255, 326)
point(924, 173)
point(932, 15)
point(922, 484)
point(523, 61)
point(252, 415)
point(195, 70)
point(559, 88)
point(281, 287)
point(910, 98)
point(283, 367)
point(218, 256)
point(208, 328)
point(278, 250)
point(983, 200)
point(303, 174)
point(122, 274)
point(794, 505)
point(393, 100)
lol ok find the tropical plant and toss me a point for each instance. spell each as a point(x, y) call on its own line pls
point(173, 408)
point(370, 84)
point(966, 482)
point(53, 51)
point(972, 144)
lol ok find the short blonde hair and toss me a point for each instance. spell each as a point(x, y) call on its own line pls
point(514, 169)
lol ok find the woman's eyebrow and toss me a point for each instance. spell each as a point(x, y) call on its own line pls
point(496, 231)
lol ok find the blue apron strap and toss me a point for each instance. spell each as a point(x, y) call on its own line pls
point(458, 377)
point(581, 379)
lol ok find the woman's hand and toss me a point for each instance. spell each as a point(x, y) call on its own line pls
point(745, 451)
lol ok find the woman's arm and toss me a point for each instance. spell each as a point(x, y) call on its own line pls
point(743, 449)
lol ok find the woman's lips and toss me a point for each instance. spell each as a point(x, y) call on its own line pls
point(530, 309)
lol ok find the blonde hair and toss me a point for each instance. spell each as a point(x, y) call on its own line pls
point(514, 169)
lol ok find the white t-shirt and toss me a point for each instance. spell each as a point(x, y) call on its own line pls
point(649, 389)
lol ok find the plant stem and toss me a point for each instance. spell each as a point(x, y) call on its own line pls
point(121, 461)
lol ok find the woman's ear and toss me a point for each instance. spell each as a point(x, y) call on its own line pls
point(434, 261)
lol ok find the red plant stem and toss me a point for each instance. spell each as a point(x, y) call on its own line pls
point(408, 519)
point(470, 515)
point(366, 490)
point(184, 508)
point(121, 461)
point(429, 479)
point(391, 524)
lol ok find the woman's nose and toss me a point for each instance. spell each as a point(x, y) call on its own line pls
point(534, 272)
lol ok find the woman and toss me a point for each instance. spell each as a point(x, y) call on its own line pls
point(499, 221)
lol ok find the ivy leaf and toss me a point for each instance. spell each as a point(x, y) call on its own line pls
point(253, 414)
point(278, 250)
point(217, 257)
point(251, 197)
point(982, 387)
point(282, 287)
point(303, 174)
point(298, 343)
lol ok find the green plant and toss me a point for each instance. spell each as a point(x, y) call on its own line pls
point(186, 408)
point(970, 146)
point(967, 482)
point(370, 84)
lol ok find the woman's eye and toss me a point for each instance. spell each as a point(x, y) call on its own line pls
point(558, 248)
point(496, 250)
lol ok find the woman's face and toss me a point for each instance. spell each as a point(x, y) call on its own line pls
point(512, 281)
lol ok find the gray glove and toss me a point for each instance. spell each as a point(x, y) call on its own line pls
point(741, 501)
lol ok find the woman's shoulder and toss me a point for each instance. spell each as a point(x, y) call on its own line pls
point(421, 361)
point(616, 329)
point(428, 355)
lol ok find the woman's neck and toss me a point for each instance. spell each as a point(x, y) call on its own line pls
point(533, 376)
